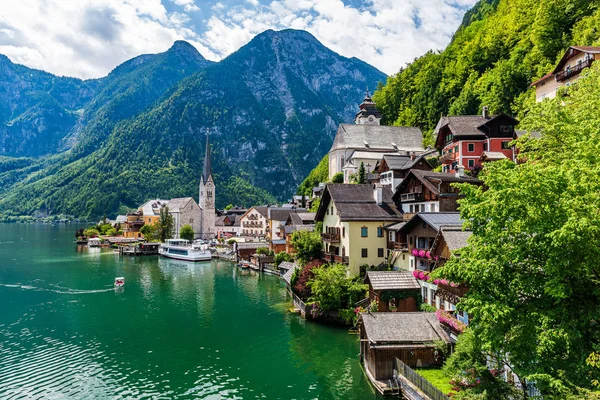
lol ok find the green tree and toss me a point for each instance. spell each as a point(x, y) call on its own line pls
point(187, 232)
point(91, 232)
point(307, 244)
point(149, 232)
point(338, 178)
point(532, 260)
point(315, 204)
point(331, 289)
point(111, 232)
point(362, 176)
point(164, 225)
point(281, 257)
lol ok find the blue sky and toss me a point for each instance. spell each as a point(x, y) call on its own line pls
point(88, 38)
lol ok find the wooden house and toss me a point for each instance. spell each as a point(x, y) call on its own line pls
point(411, 337)
point(393, 290)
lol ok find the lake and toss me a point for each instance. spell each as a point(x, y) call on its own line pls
point(176, 330)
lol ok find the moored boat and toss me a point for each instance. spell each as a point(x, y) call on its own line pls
point(119, 281)
point(181, 249)
point(94, 242)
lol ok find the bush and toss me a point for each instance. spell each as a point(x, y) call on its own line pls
point(111, 232)
point(187, 232)
point(331, 290)
point(281, 257)
point(300, 284)
point(91, 232)
point(264, 251)
point(308, 245)
point(338, 178)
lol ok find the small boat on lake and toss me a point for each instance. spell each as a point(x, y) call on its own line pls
point(94, 242)
point(181, 249)
point(119, 281)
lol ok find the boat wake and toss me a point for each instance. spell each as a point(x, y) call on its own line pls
point(59, 290)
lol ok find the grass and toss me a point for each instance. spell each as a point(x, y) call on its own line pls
point(437, 378)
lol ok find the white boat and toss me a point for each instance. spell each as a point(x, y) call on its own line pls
point(181, 249)
point(119, 281)
point(94, 242)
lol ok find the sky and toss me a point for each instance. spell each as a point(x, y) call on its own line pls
point(88, 38)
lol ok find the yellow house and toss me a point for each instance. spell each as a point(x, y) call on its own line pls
point(353, 218)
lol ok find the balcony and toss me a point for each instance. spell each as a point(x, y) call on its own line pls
point(448, 158)
point(401, 246)
point(334, 258)
point(330, 237)
point(341, 260)
point(458, 291)
point(570, 72)
point(408, 197)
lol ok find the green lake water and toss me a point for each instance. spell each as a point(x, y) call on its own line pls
point(176, 330)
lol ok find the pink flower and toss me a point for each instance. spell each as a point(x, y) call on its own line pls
point(428, 254)
point(416, 273)
point(421, 275)
point(415, 252)
point(421, 253)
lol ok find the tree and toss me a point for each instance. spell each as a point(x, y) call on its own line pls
point(149, 232)
point(362, 177)
point(281, 257)
point(331, 290)
point(164, 224)
point(532, 260)
point(111, 232)
point(229, 207)
point(338, 178)
point(315, 204)
point(187, 232)
point(91, 232)
point(307, 244)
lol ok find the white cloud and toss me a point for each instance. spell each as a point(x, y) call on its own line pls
point(88, 38)
point(385, 33)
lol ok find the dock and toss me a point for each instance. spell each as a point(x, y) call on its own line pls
point(143, 249)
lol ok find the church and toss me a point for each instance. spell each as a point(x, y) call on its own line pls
point(367, 141)
point(207, 199)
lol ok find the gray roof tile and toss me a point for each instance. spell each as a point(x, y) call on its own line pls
point(403, 328)
point(392, 280)
point(351, 136)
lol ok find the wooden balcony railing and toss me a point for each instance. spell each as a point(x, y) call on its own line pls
point(341, 260)
point(330, 237)
point(407, 197)
point(448, 158)
point(570, 72)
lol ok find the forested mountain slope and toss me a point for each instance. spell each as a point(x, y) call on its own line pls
point(501, 47)
point(271, 110)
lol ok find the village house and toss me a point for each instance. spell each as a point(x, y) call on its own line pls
point(132, 225)
point(370, 140)
point(353, 218)
point(393, 290)
point(397, 246)
point(393, 168)
point(254, 222)
point(463, 139)
point(297, 221)
point(185, 211)
point(410, 337)
point(276, 219)
point(228, 225)
point(566, 72)
point(426, 191)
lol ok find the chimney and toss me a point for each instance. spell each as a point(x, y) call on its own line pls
point(460, 171)
point(412, 155)
point(485, 112)
point(378, 193)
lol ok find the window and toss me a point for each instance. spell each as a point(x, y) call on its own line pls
point(364, 253)
point(364, 231)
point(149, 220)
point(456, 149)
point(331, 210)
point(412, 209)
point(505, 145)
point(191, 220)
point(471, 163)
point(471, 147)
point(380, 252)
point(422, 207)
point(422, 243)
point(485, 146)
point(379, 231)
point(344, 231)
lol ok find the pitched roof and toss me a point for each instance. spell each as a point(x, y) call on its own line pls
point(492, 156)
point(307, 216)
point(287, 277)
point(152, 207)
point(287, 265)
point(431, 180)
point(281, 214)
point(382, 137)
point(455, 238)
point(293, 228)
point(251, 245)
point(357, 203)
point(434, 220)
point(403, 328)
point(533, 134)
point(392, 280)
point(462, 125)
point(175, 205)
point(573, 51)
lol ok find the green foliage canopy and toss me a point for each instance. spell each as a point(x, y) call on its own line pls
point(186, 232)
point(307, 244)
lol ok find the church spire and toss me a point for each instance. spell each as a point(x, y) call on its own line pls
point(207, 172)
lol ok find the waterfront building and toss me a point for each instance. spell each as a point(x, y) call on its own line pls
point(276, 220)
point(393, 290)
point(353, 218)
point(428, 191)
point(393, 168)
point(371, 139)
point(566, 72)
point(228, 225)
point(185, 211)
point(297, 221)
point(254, 222)
point(411, 337)
point(132, 225)
point(462, 139)
point(207, 198)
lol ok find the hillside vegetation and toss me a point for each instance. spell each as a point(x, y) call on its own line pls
point(501, 47)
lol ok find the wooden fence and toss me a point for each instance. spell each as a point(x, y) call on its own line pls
point(421, 383)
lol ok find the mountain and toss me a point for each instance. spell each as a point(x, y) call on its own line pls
point(270, 109)
point(501, 47)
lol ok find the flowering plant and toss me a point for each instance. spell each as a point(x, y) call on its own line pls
point(447, 319)
point(421, 275)
point(422, 253)
point(428, 254)
point(415, 252)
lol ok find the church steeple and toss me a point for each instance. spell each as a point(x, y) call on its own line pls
point(368, 114)
point(207, 171)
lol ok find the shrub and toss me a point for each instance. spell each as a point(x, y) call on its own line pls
point(187, 232)
point(264, 251)
point(338, 178)
point(300, 286)
point(281, 257)
point(308, 245)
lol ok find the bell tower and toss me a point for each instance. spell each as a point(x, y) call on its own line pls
point(207, 197)
point(368, 114)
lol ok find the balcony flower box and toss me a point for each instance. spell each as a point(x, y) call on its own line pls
point(448, 320)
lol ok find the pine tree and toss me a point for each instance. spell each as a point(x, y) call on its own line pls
point(362, 176)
